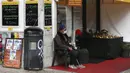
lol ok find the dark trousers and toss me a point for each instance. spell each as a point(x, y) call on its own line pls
point(73, 57)
point(80, 56)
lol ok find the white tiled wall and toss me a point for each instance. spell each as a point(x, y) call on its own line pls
point(48, 48)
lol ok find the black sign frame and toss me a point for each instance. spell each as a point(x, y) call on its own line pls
point(10, 15)
point(31, 14)
point(48, 15)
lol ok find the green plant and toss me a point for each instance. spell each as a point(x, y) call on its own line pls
point(126, 45)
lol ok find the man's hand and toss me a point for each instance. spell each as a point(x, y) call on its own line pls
point(70, 49)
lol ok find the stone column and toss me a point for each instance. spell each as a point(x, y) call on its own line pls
point(69, 20)
point(54, 18)
point(49, 34)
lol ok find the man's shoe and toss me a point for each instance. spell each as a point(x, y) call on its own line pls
point(81, 66)
point(72, 67)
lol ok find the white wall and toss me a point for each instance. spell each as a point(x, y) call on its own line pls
point(116, 19)
point(90, 17)
point(91, 14)
point(69, 20)
point(77, 19)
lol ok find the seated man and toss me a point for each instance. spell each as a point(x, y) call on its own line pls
point(63, 43)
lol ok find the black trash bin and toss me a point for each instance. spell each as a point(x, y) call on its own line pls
point(33, 48)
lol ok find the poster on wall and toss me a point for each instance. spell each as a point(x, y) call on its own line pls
point(13, 53)
point(10, 9)
point(48, 19)
point(31, 12)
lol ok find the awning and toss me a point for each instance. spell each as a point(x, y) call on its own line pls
point(62, 2)
point(70, 2)
point(75, 3)
point(127, 1)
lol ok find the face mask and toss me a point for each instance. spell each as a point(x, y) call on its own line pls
point(65, 32)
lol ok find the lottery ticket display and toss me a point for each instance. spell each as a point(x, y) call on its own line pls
point(13, 52)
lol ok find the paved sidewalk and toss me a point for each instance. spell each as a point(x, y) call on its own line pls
point(46, 70)
point(126, 71)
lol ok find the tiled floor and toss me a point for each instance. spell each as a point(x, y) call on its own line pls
point(46, 70)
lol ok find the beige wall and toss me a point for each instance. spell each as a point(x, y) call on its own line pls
point(91, 14)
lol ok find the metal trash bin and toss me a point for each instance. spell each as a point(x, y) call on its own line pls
point(33, 48)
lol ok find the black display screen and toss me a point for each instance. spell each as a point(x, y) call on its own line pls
point(48, 19)
point(31, 14)
point(10, 15)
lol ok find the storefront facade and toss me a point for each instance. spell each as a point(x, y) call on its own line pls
point(108, 17)
point(49, 30)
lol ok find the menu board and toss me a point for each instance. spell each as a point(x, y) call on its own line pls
point(31, 14)
point(10, 15)
point(13, 53)
point(75, 3)
point(48, 19)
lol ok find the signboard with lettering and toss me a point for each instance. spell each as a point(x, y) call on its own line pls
point(75, 3)
point(31, 13)
point(10, 10)
point(48, 19)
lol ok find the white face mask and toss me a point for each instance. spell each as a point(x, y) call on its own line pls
point(65, 32)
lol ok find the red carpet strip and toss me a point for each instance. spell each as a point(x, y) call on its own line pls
point(108, 66)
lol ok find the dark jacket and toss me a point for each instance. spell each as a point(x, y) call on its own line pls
point(61, 41)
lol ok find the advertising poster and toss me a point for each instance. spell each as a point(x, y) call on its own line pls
point(13, 53)
point(9, 44)
point(17, 44)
